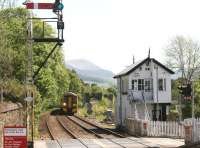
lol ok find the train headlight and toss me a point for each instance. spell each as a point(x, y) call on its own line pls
point(64, 104)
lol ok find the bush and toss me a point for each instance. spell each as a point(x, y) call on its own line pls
point(83, 112)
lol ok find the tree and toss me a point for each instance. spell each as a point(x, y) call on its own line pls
point(183, 54)
point(6, 58)
point(75, 82)
point(52, 81)
point(7, 3)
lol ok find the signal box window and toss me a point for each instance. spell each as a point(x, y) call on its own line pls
point(162, 84)
point(134, 84)
point(140, 84)
point(148, 85)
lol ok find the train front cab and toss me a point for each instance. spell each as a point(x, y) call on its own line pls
point(69, 105)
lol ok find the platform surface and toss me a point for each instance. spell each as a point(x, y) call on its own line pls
point(130, 142)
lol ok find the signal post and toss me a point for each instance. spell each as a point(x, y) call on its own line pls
point(187, 91)
point(56, 8)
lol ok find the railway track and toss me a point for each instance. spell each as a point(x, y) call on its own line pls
point(56, 130)
point(74, 127)
point(102, 132)
point(111, 133)
point(60, 127)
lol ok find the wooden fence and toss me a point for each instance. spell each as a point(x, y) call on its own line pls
point(165, 129)
point(188, 129)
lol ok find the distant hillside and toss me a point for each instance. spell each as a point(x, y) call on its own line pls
point(91, 73)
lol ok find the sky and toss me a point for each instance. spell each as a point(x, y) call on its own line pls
point(109, 32)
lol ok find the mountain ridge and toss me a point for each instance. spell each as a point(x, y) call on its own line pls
point(90, 72)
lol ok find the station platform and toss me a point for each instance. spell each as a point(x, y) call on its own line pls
point(129, 142)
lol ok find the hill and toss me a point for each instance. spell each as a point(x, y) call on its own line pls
point(91, 73)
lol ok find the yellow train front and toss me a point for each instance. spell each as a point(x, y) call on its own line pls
point(69, 103)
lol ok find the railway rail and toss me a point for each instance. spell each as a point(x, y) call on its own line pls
point(75, 127)
point(56, 130)
point(11, 108)
point(64, 127)
point(93, 128)
point(115, 134)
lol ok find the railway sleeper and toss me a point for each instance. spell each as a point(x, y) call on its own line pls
point(99, 136)
point(66, 129)
point(106, 130)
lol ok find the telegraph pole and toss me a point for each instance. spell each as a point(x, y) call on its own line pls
point(193, 95)
point(57, 7)
point(29, 81)
point(181, 96)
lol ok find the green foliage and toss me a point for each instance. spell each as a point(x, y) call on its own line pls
point(187, 110)
point(197, 97)
point(83, 112)
point(53, 80)
point(173, 114)
point(175, 90)
point(96, 91)
point(186, 105)
point(75, 84)
point(98, 110)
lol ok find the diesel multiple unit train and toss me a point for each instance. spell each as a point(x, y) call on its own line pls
point(69, 103)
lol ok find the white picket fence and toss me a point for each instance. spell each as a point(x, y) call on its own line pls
point(165, 129)
point(195, 123)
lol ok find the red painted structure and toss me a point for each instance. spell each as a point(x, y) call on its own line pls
point(39, 5)
point(14, 137)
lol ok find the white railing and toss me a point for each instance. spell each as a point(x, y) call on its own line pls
point(196, 131)
point(165, 129)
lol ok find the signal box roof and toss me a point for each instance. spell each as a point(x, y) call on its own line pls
point(134, 66)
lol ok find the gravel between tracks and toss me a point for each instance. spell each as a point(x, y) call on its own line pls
point(56, 130)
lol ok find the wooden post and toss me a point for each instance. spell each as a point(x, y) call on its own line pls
point(144, 128)
point(193, 95)
point(188, 134)
point(1, 94)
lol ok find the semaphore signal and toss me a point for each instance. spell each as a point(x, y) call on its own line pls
point(39, 5)
point(57, 6)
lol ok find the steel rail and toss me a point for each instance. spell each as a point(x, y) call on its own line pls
point(50, 132)
point(98, 135)
point(109, 131)
point(70, 132)
point(106, 130)
point(66, 129)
